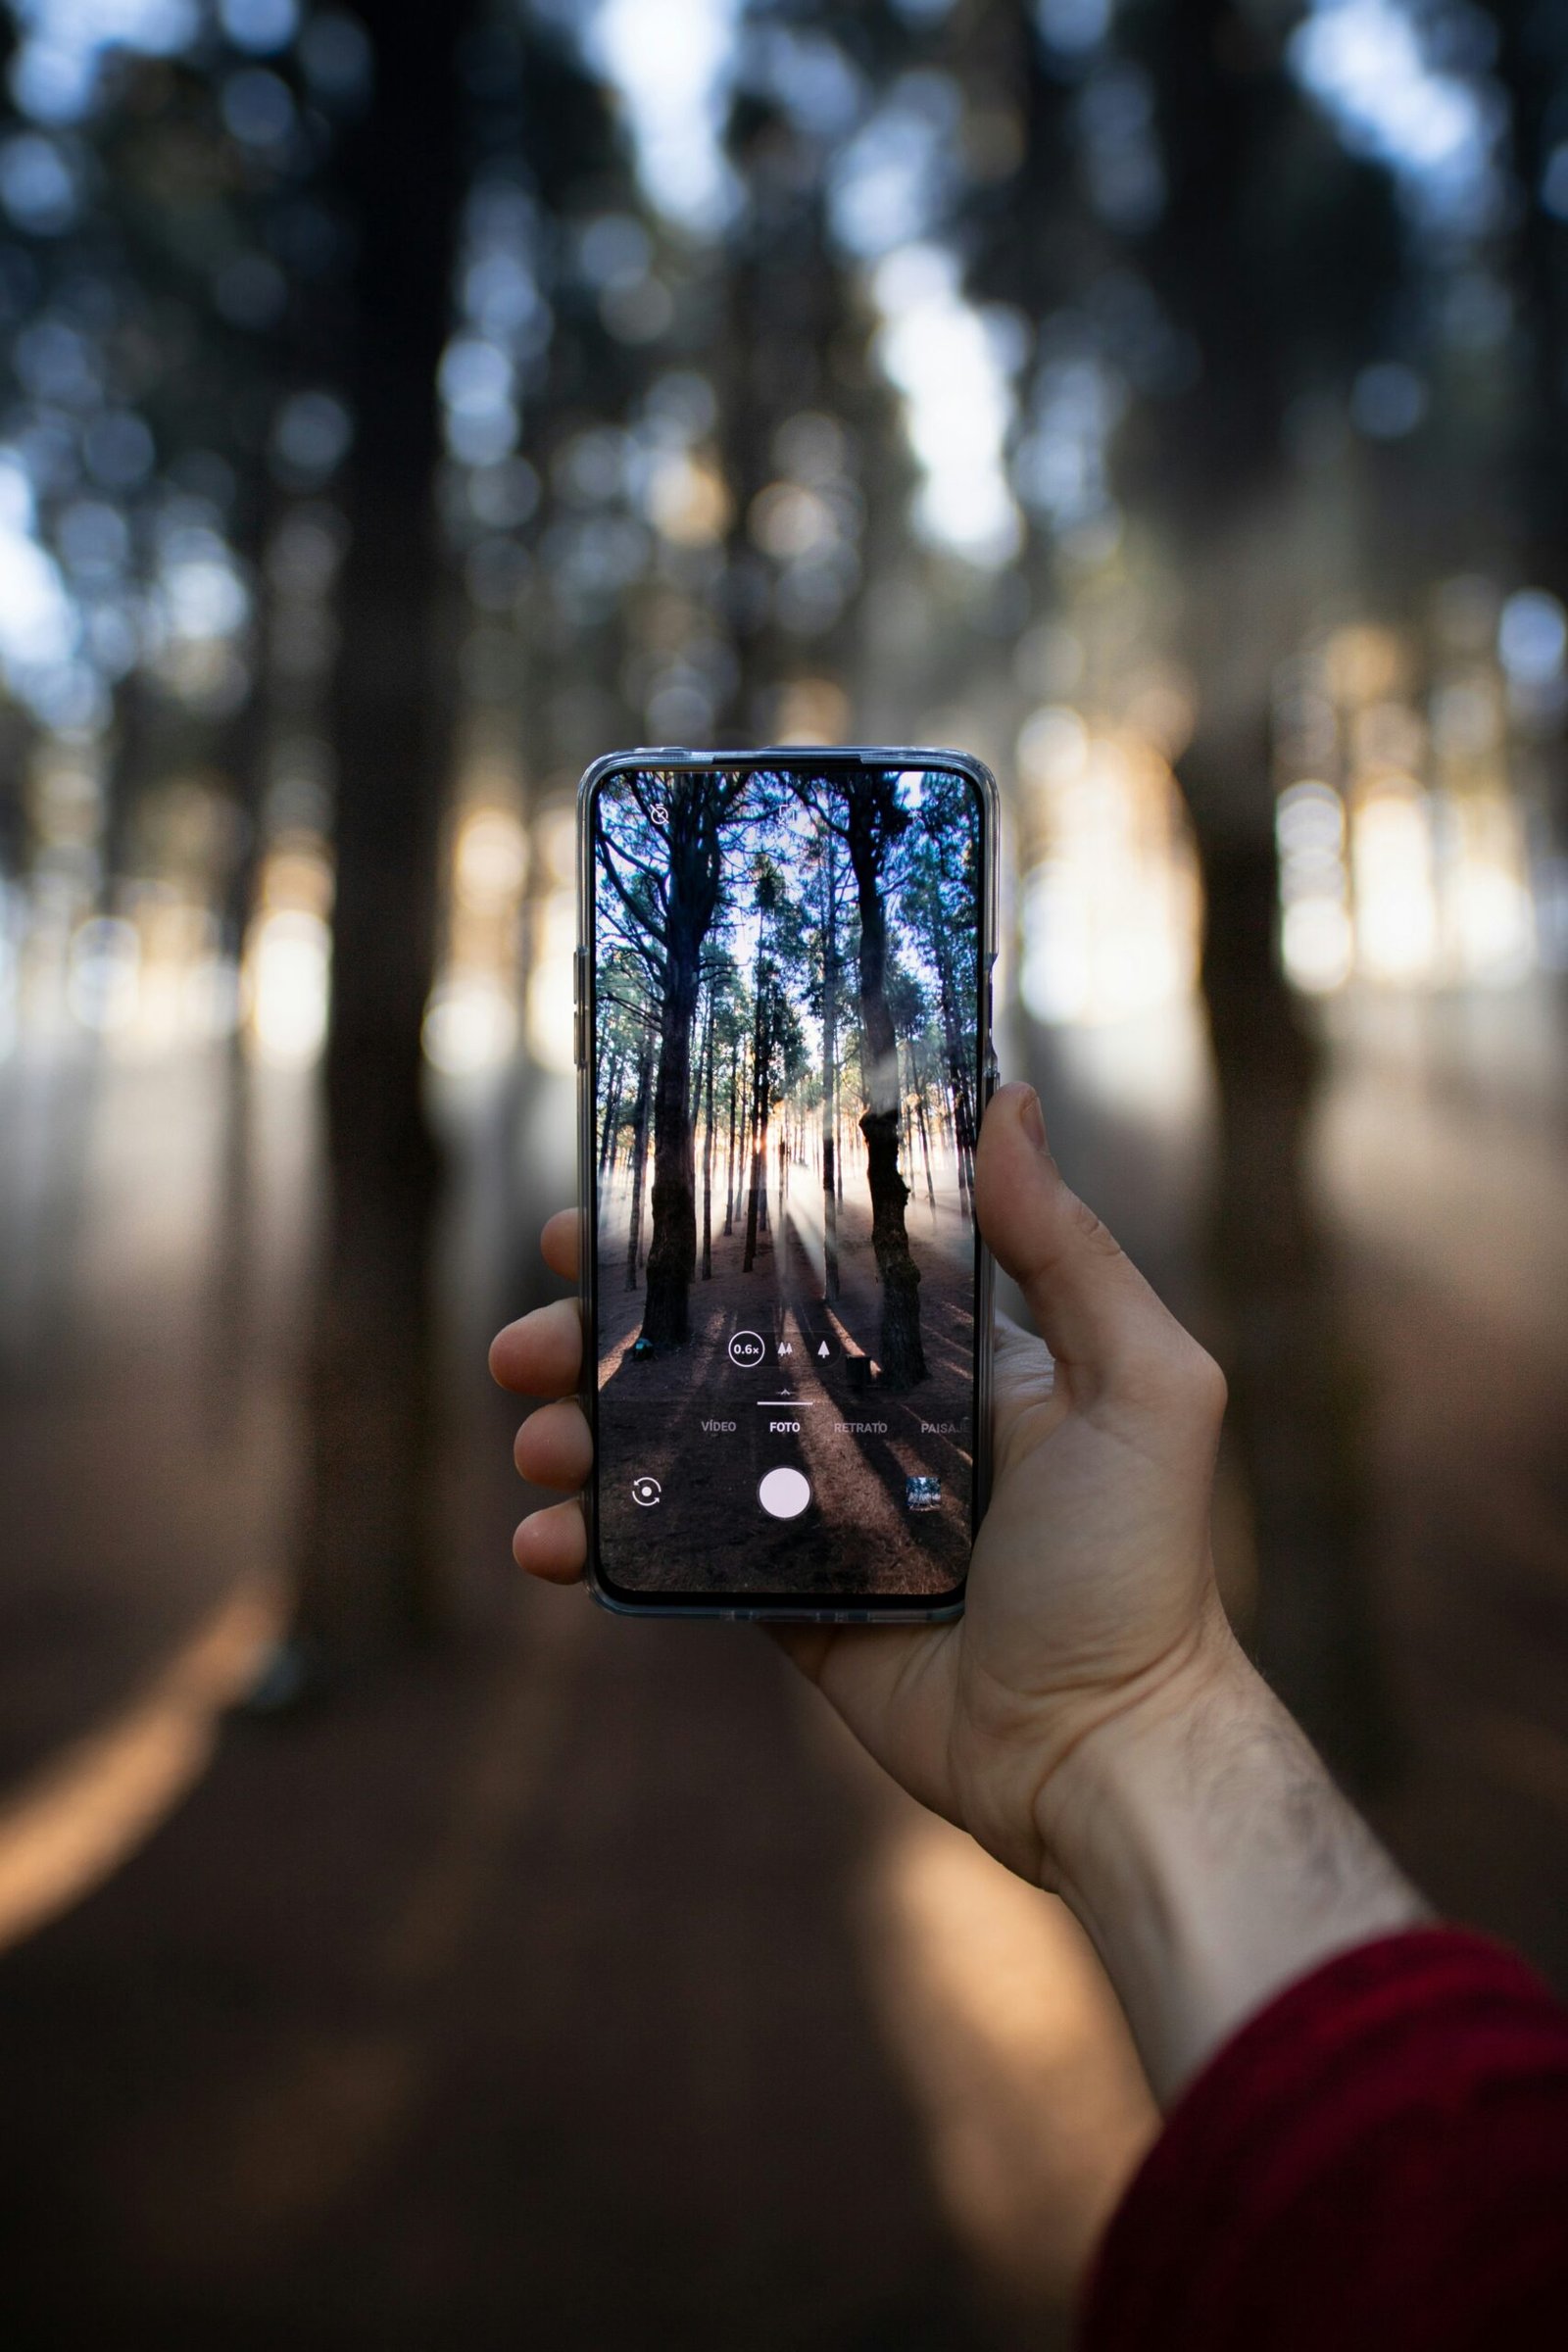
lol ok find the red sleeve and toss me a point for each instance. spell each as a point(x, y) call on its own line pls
point(1379, 2159)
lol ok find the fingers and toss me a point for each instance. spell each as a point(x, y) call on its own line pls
point(552, 1544)
point(560, 1242)
point(554, 1446)
point(1096, 1312)
point(540, 1354)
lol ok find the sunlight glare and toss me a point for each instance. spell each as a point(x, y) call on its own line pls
point(675, 87)
point(102, 987)
point(470, 1025)
point(490, 860)
point(67, 45)
point(1489, 904)
point(288, 965)
point(685, 499)
point(1316, 939)
point(39, 635)
point(548, 1006)
point(1366, 63)
point(1391, 863)
point(1109, 908)
point(953, 372)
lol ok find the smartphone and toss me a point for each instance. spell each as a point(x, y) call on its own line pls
point(784, 1041)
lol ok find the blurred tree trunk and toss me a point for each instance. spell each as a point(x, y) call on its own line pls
point(1532, 63)
point(1276, 254)
point(130, 762)
point(1293, 1390)
point(366, 1563)
point(243, 760)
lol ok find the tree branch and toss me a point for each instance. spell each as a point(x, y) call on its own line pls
point(645, 920)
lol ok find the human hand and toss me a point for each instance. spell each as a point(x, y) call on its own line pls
point(1091, 1586)
point(1089, 1718)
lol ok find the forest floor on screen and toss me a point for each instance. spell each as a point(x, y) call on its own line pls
point(707, 1428)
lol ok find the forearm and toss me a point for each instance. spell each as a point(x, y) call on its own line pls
point(1202, 1844)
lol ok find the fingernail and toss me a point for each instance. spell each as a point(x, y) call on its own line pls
point(1032, 1119)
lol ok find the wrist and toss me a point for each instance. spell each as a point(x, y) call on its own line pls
point(1127, 1744)
point(1202, 1844)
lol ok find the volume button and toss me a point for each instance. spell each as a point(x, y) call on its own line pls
point(579, 1008)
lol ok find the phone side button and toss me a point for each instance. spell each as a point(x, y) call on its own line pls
point(579, 1042)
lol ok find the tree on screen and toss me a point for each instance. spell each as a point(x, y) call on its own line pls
point(664, 863)
point(828, 891)
point(940, 905)
point(871, 823)
point(911, 1011)
point(724, 1026)
point(777, 1047)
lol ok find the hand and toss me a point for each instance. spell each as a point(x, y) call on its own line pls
point(1089, 1718)
point(1091, 1586)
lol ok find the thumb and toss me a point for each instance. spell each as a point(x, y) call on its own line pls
point(1093, 1309)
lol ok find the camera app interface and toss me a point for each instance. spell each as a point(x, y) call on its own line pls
point(786, 1093)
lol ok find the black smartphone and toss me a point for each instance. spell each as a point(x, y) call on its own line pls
point(784, 1040)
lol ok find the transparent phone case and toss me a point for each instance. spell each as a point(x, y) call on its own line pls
point(892, 1610)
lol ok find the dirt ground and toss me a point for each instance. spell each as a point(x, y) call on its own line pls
point(577, 1984)
point(707, 1428)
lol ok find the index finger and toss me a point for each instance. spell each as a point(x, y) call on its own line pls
point(540, 1354)
point(560, 1242)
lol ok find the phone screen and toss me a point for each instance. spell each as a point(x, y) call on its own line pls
point(785, 1037)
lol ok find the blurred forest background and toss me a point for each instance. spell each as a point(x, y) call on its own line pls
point(1165, 400)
